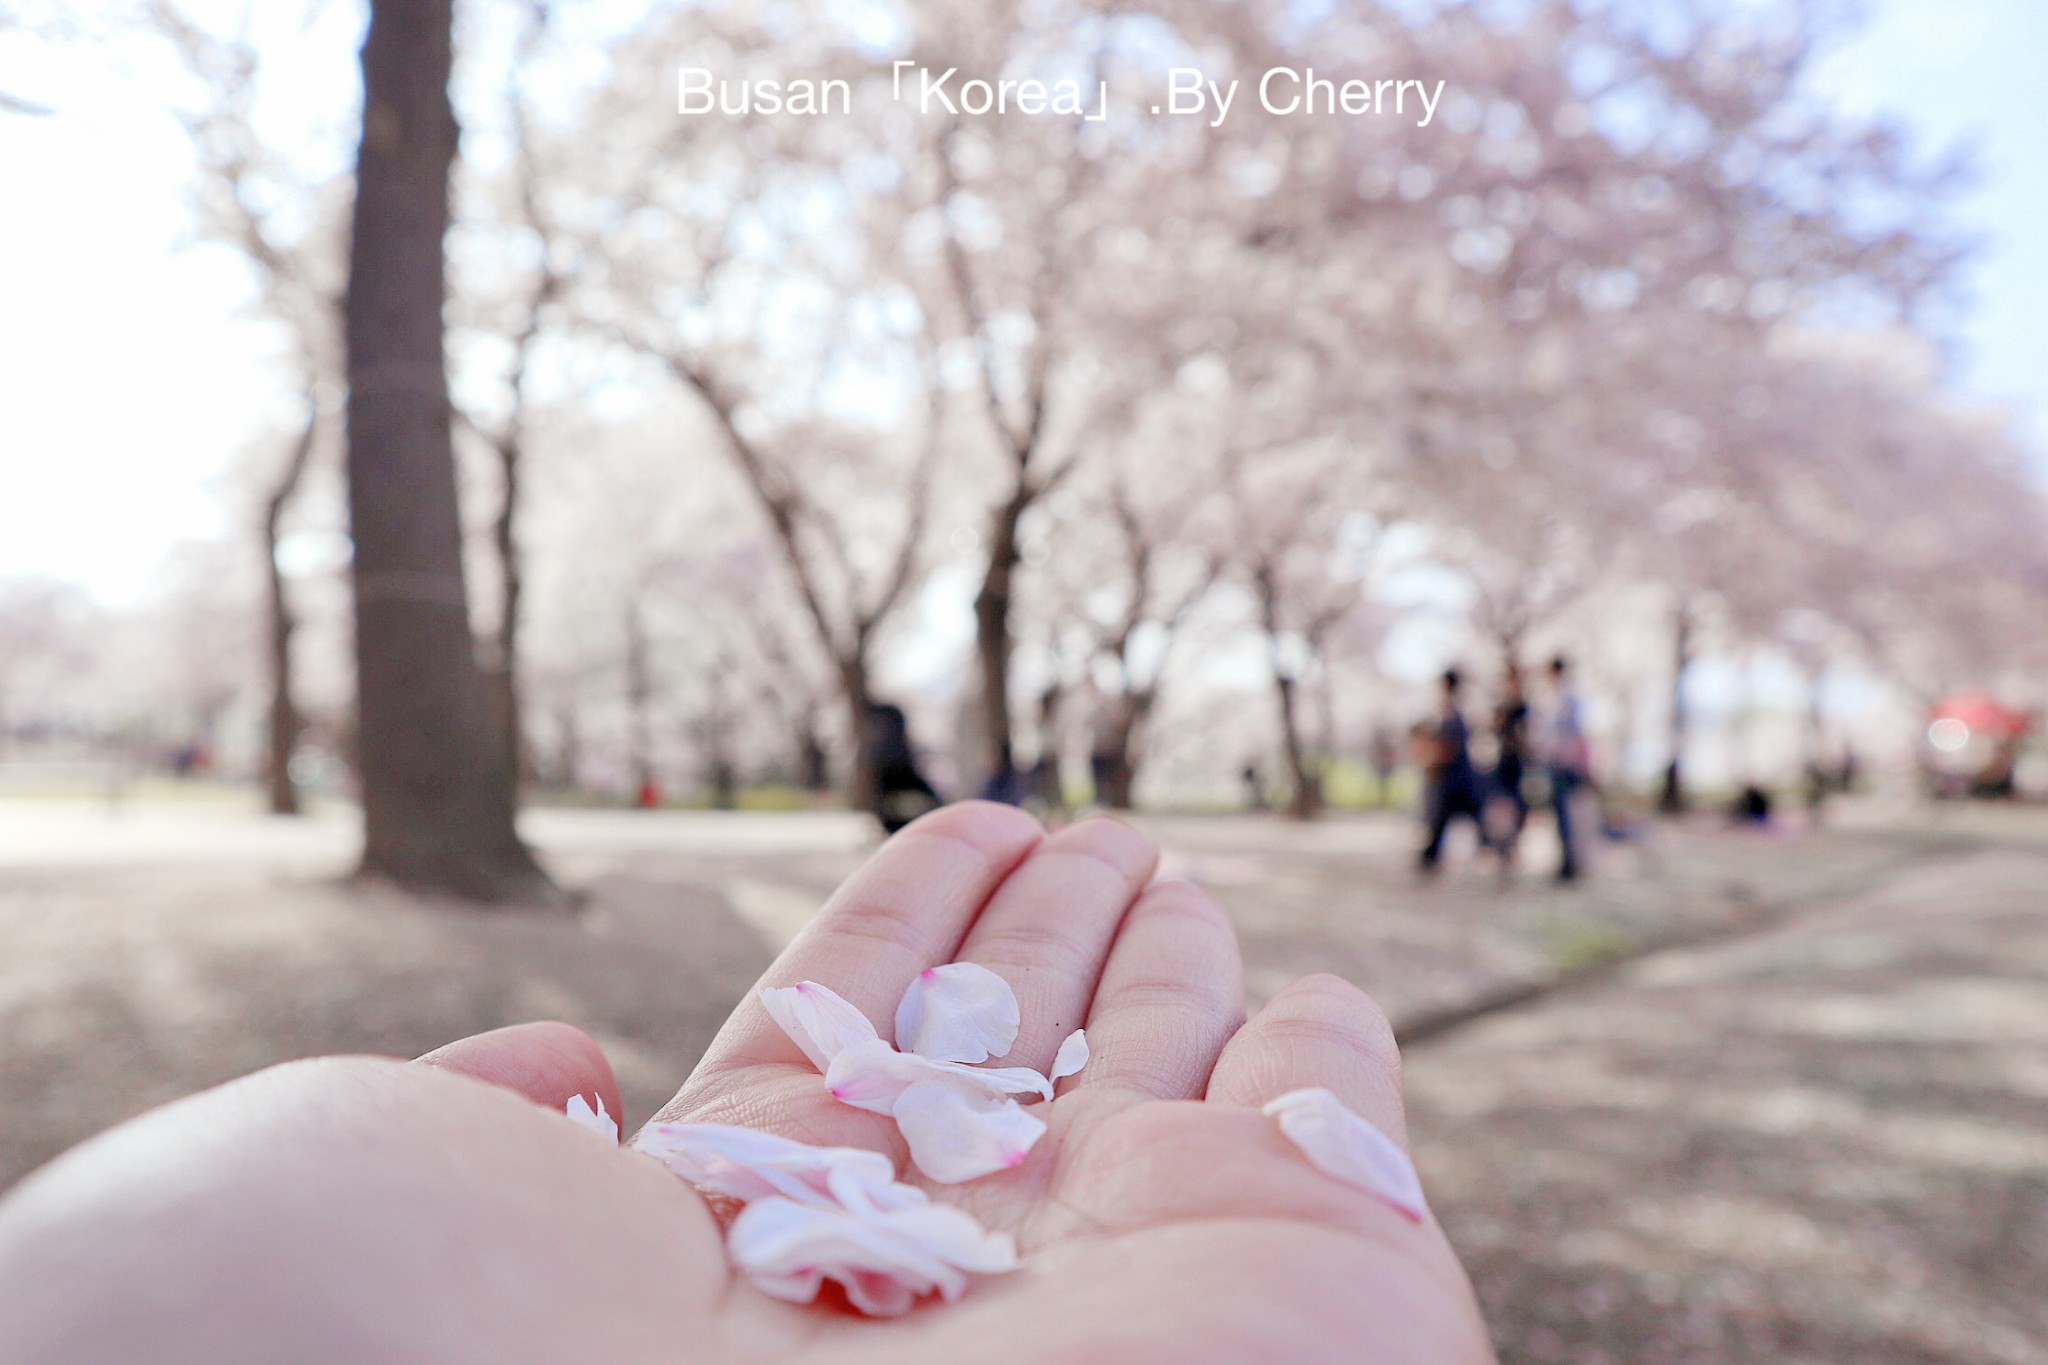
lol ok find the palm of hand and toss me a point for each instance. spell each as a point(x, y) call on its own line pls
point(1162, 1216)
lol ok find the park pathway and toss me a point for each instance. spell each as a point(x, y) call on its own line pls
point(1740, 1097)
point(1825, 1143)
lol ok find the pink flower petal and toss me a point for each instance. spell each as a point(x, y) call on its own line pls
point(961, 1132)
point(960, 1012)
point(872, 1075)
point(1343, 1144)
point(817, 1020)
point(596, 1120)
point(885, 1261)
point(998, 1080)
point(746, 1164)
point(1072, 1056)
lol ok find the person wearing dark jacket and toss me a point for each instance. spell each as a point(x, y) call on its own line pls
point(1450, 786)
point(901, 791)
point(1509, 807)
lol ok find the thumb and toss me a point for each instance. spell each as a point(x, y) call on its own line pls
point(546, 1062)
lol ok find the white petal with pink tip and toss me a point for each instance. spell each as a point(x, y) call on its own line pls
point(960, 1012)
point(1344, 1144)
point(963, 1123)
point(745, 1164)
point(956, 1134)
point(1072, 1056)
point(872, 1075)
point(818, 1020)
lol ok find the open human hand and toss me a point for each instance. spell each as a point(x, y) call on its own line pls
point(351, 1209)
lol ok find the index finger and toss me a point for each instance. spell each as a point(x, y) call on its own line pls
point(907, 908)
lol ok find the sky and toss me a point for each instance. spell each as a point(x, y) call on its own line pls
point(1969, 72)
point(130, 385)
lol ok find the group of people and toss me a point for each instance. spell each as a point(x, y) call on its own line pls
point(1546, 741)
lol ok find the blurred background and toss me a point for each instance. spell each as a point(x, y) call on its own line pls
point(813, 468)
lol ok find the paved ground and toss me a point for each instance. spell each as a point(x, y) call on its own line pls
point(1740, 1097)
point(1827, 1142)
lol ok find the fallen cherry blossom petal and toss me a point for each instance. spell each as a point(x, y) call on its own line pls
point(957, 1134)
point(1345, 1145)
point(872, 1075)
point(596, 1120)
point(1072, 1056)
point(960, 1012)
point(818, 1020)
point(885, 1261)
point(747, 1164)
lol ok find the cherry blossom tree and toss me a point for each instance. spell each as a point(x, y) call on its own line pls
point(285, 221)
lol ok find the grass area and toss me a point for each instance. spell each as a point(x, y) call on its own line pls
point(1583, 947)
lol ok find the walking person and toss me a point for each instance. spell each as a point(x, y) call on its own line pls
point(902, 792)
point(1507, 805)
point(1450, 786)
point(1567, 761)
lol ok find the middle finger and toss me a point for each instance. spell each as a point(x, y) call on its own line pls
point(1049, 927)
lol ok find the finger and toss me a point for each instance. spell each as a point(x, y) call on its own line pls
point(1320, 1031)
point(1171, 995)
point(907, 908)
point(1049, 928)
point(546, 1062)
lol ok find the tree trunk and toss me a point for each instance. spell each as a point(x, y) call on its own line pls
point(639, 699)
point(862, 781)
point(1307, 800)
point(511, 584)
point(285, 724)
point(1819, 779)
point(437, 797)
point(992, 634)
point(1672, 800)
point(1128, 746)
point(814, 770)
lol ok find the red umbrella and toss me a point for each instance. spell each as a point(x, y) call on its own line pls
point(1983, 714)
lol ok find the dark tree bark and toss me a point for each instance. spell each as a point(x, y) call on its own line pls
point(1127, 750)
point(437, 794)
point(639, 705)
point(992, 635)
point(1672, 799)
point(1305, 802)
point(510, 441)
point(285, 723)
point(813, 766)
point(1128, 731)
point(863, 784)
point(504, 678)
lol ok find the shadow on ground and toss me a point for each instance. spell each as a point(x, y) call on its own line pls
point(135, 988)
point(1827, 1143)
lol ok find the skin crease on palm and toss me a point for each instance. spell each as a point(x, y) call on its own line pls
point(363, 1210)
